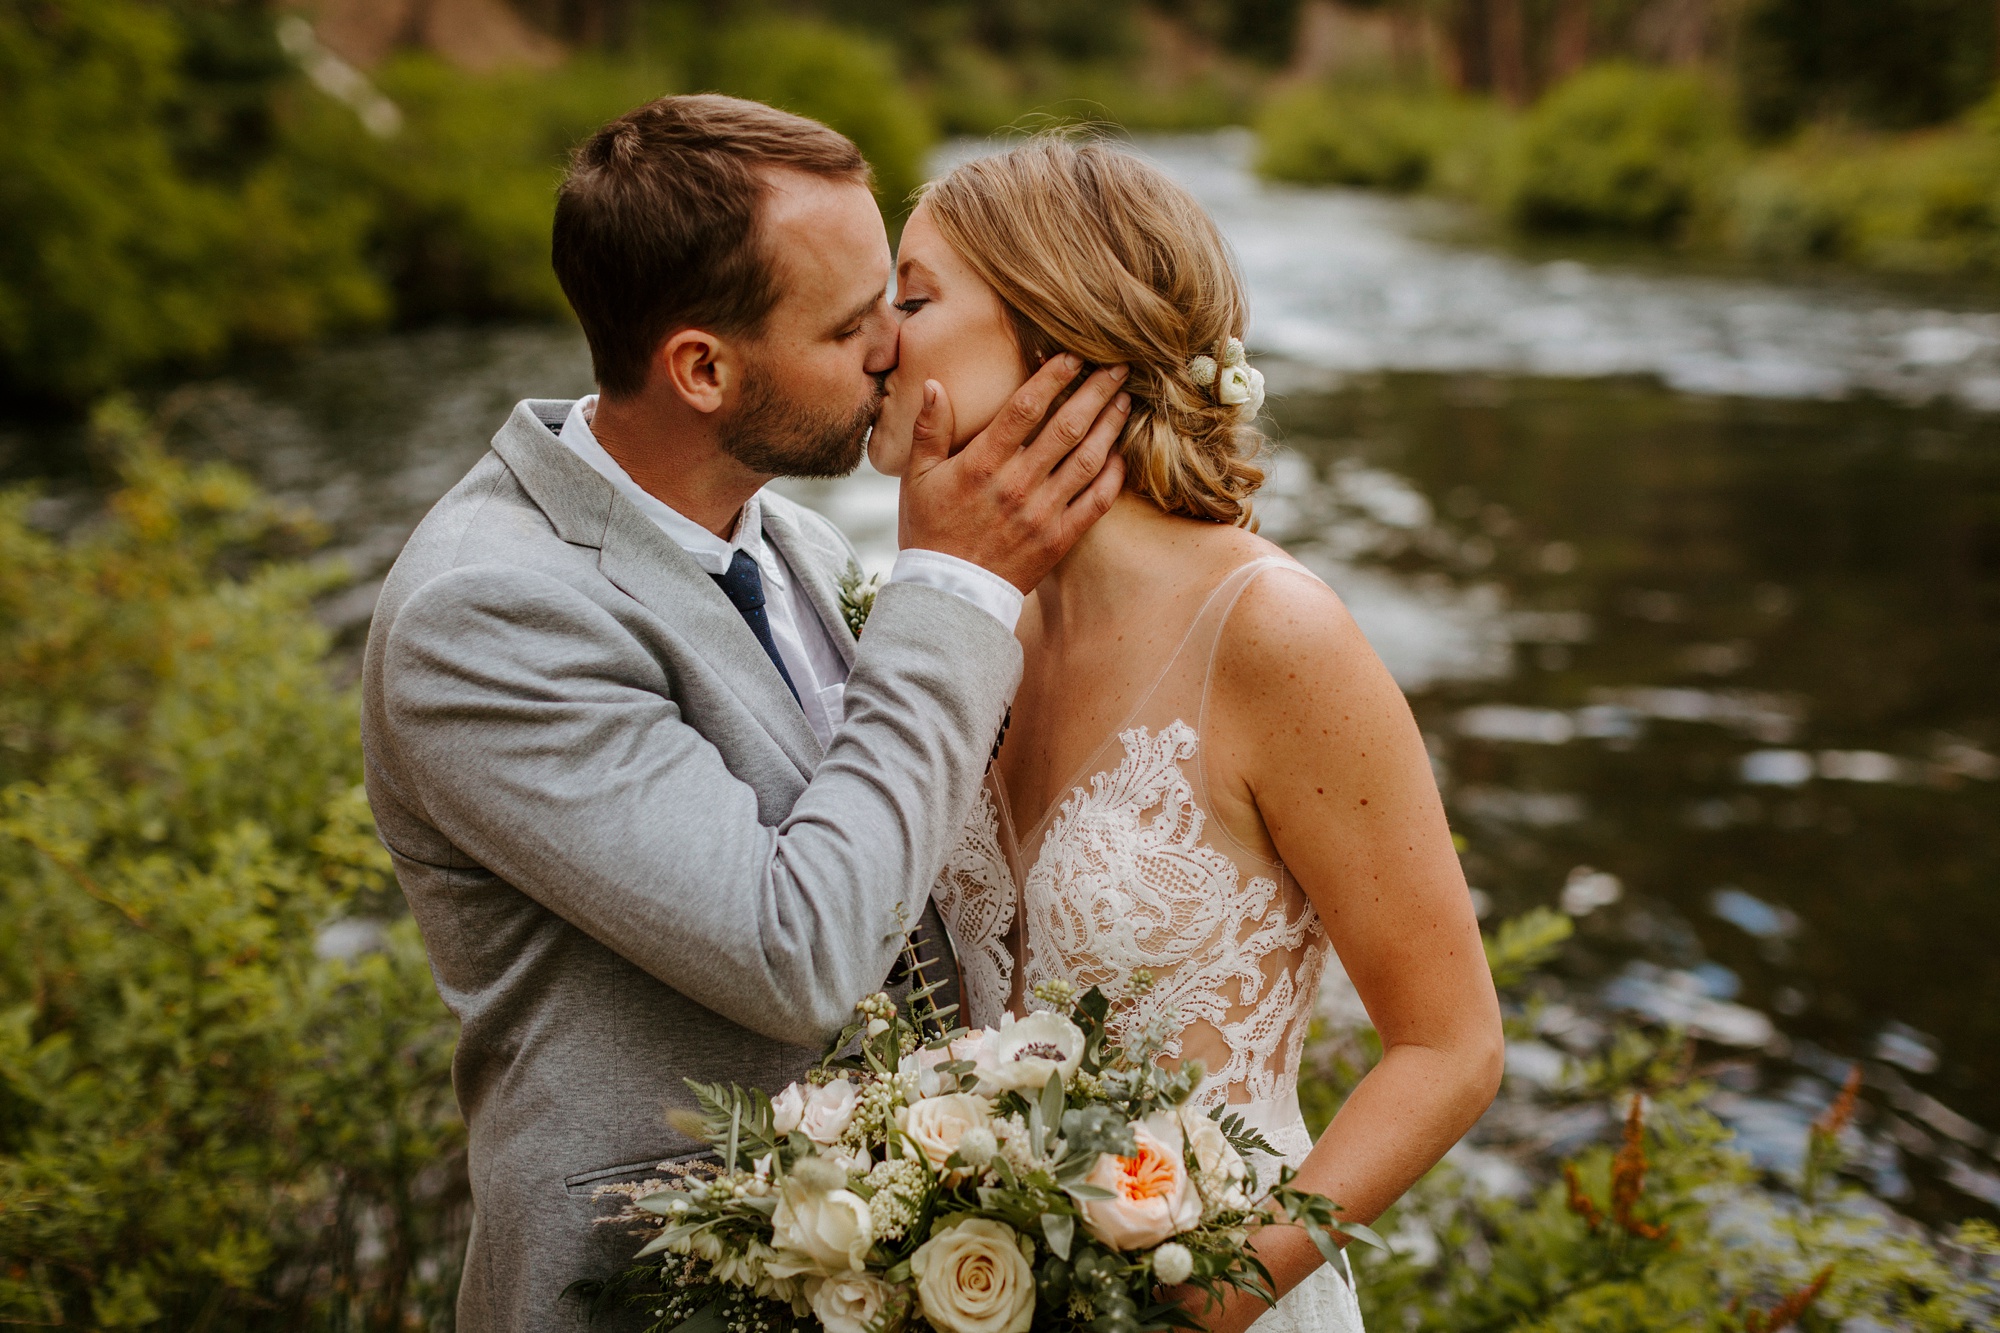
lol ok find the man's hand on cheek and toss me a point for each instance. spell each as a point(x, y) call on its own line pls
point(1017, 496)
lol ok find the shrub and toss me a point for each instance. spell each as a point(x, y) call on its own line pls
point(1669, 1227)
point(1619, 148)
point(1921, 204)
point(119, 252)
point(1383, 136)
point(224, 1071)
point(461, 202)
point(975, 92)
point(846, 81)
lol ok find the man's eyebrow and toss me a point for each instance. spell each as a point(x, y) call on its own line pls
point(854, 316)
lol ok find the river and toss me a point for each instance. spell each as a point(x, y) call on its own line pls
point(1694, 583)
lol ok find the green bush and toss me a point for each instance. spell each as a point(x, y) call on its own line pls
point(1668, 1228)
point(461, 201)
point(1921, 204)
point(1620, 148)
point(119, 249)
point(975, 92)
point(846, 81)
point(1372, 135)
point(206, 1122)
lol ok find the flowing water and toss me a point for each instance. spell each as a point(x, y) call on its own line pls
point(1694, 584)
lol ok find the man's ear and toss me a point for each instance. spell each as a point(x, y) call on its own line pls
point(702, 368)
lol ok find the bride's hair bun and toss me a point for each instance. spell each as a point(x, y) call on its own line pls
point(1097, 252)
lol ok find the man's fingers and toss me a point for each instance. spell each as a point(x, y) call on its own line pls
point(1095, 502)
point(930, 438)
point(1077, 471)
point(1073, 420)
point(1022, 416)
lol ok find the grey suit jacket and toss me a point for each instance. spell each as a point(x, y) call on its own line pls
point(631, 860)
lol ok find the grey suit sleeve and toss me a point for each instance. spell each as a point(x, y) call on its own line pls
point(537, 735)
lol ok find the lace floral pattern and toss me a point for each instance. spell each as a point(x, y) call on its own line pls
point(1123, 881)
point(975, 896)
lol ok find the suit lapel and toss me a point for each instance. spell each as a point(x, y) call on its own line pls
point(818, 569)
point(660, 576)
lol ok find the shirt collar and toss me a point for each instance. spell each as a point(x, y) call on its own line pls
point(711, 552)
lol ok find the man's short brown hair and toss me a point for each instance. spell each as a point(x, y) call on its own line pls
point(656, 222)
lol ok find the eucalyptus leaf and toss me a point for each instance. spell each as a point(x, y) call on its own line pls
point(1052, 1102)
point(1324, 1242)
point(1366, 1235)
point(1060, 1228)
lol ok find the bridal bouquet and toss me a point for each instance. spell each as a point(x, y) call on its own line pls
point(1038, 1175)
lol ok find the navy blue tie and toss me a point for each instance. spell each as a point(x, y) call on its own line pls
point(744, 587)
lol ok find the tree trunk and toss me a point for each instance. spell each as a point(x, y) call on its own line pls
point(1570, 48)
point(1507, 41)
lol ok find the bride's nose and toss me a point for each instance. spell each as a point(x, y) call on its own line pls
point(886, 350)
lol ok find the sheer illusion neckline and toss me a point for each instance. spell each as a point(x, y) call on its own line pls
point(1015, 839)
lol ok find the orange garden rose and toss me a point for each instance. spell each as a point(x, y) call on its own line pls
point(1152, 1197)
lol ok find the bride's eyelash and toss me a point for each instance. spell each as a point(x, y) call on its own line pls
point(913, 305)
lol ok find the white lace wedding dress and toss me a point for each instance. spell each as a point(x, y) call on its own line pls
point(1126, 871)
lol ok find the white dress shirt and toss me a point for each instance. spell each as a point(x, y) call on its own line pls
point(805, 644)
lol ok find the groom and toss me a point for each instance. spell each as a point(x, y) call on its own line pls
point(658, 812)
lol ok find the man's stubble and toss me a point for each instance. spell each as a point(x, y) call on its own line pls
point(783, 437)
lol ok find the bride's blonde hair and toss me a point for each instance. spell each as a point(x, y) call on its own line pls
point(1096, 252)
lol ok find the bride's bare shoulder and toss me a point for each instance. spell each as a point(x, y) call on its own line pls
point(1288, 631)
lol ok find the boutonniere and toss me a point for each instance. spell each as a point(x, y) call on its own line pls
point(857, 596)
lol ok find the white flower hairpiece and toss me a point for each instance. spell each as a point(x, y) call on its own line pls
point(1237, 383)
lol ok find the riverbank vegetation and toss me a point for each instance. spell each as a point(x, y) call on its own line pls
point(225, 1091)
point(1856, 134)
point(225, 1098)
point(189, 178)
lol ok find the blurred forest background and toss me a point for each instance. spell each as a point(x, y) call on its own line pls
point(183, 178)
point(224, 1071)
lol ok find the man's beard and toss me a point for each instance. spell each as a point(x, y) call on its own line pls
point(782, 437)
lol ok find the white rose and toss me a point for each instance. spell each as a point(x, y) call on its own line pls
point(788, 1107)
point(819, 1231)
point(937, 1125)
point(1222, 1173)
point(972, 1278)
point(1172, 1264)
point(1152, 1197)
point(850, 1303)
point(1025, 1052)
point(828, 1110)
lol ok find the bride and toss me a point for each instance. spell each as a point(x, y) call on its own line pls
point(1208, 774)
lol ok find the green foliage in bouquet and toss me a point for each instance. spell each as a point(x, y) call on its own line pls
point(1065, 1171)
point(206, 1122)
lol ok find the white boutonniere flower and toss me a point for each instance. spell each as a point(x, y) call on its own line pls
point(857, 597)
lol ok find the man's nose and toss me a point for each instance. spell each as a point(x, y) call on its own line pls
point(887, 351)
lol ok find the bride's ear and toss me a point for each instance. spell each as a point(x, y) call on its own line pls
point(701, 368)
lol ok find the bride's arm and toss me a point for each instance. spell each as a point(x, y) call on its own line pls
point(1316, 740)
